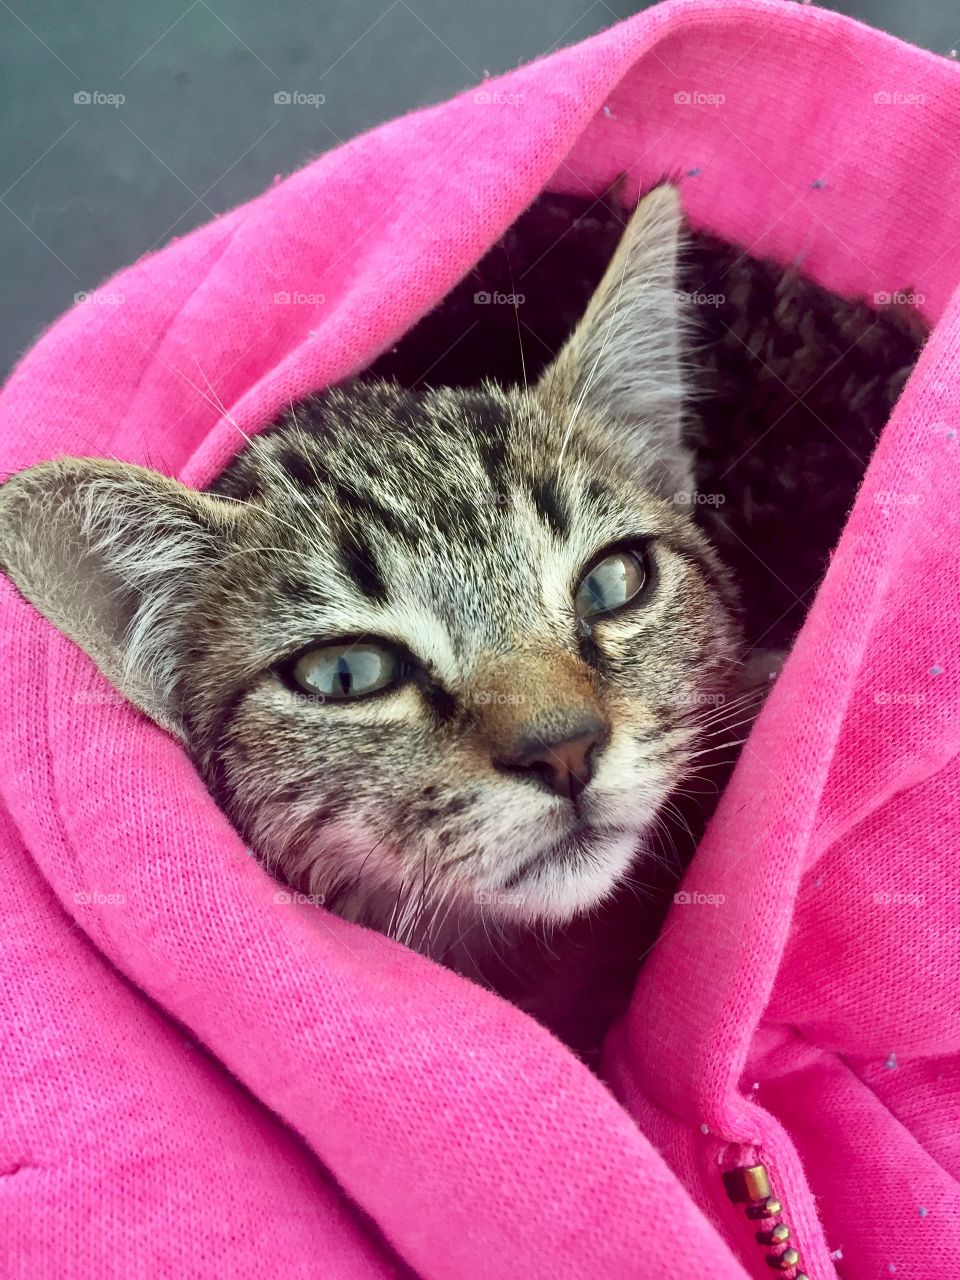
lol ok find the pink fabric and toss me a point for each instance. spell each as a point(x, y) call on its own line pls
point(199, 1080)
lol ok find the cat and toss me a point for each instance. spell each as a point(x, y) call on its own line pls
point(444, 655)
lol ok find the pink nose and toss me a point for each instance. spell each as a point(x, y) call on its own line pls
point(563, 764)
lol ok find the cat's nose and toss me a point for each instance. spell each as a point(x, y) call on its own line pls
point(565, 763)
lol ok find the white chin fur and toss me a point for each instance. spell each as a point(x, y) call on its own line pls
point(555, 894)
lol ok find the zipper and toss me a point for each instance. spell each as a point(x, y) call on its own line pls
point(750, 1186)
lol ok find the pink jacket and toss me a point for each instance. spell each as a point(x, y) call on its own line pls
point(198, 1080)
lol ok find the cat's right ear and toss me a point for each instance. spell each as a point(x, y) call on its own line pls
point(113, 555)
point(623, 365)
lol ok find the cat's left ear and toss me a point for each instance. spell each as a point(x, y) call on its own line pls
point(623, 365)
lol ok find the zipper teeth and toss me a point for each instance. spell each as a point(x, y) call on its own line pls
point(749, 1186)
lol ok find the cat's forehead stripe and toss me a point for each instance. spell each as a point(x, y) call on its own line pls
point(551, 504)
point(359, 562)
point(484, 417)
point(363, 506)
point(297, 465)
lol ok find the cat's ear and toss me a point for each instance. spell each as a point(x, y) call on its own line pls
point(622, 367)
point(114, 555)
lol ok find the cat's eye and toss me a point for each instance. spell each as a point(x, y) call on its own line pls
point(348, 669)
point(610, 583)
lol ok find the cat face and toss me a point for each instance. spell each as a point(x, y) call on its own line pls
point(460, 662)
point(432, 653)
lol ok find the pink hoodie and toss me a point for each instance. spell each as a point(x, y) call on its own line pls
point(201, 1080)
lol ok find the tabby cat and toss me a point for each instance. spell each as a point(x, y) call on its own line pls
point(445, 655)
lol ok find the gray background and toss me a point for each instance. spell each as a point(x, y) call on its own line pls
point(87, 188)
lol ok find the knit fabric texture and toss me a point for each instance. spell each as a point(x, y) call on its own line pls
point(200, 1077)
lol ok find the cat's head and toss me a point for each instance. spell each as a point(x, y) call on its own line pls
point(429, 651)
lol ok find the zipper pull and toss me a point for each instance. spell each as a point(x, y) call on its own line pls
point(750, 1186)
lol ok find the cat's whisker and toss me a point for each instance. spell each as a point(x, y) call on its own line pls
point(719, 731)
point(391, 926)
point(251, 441)
point(714, 725)
point(255, 506)
point(720, 746)
point(756, 693)
point(516, 313)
